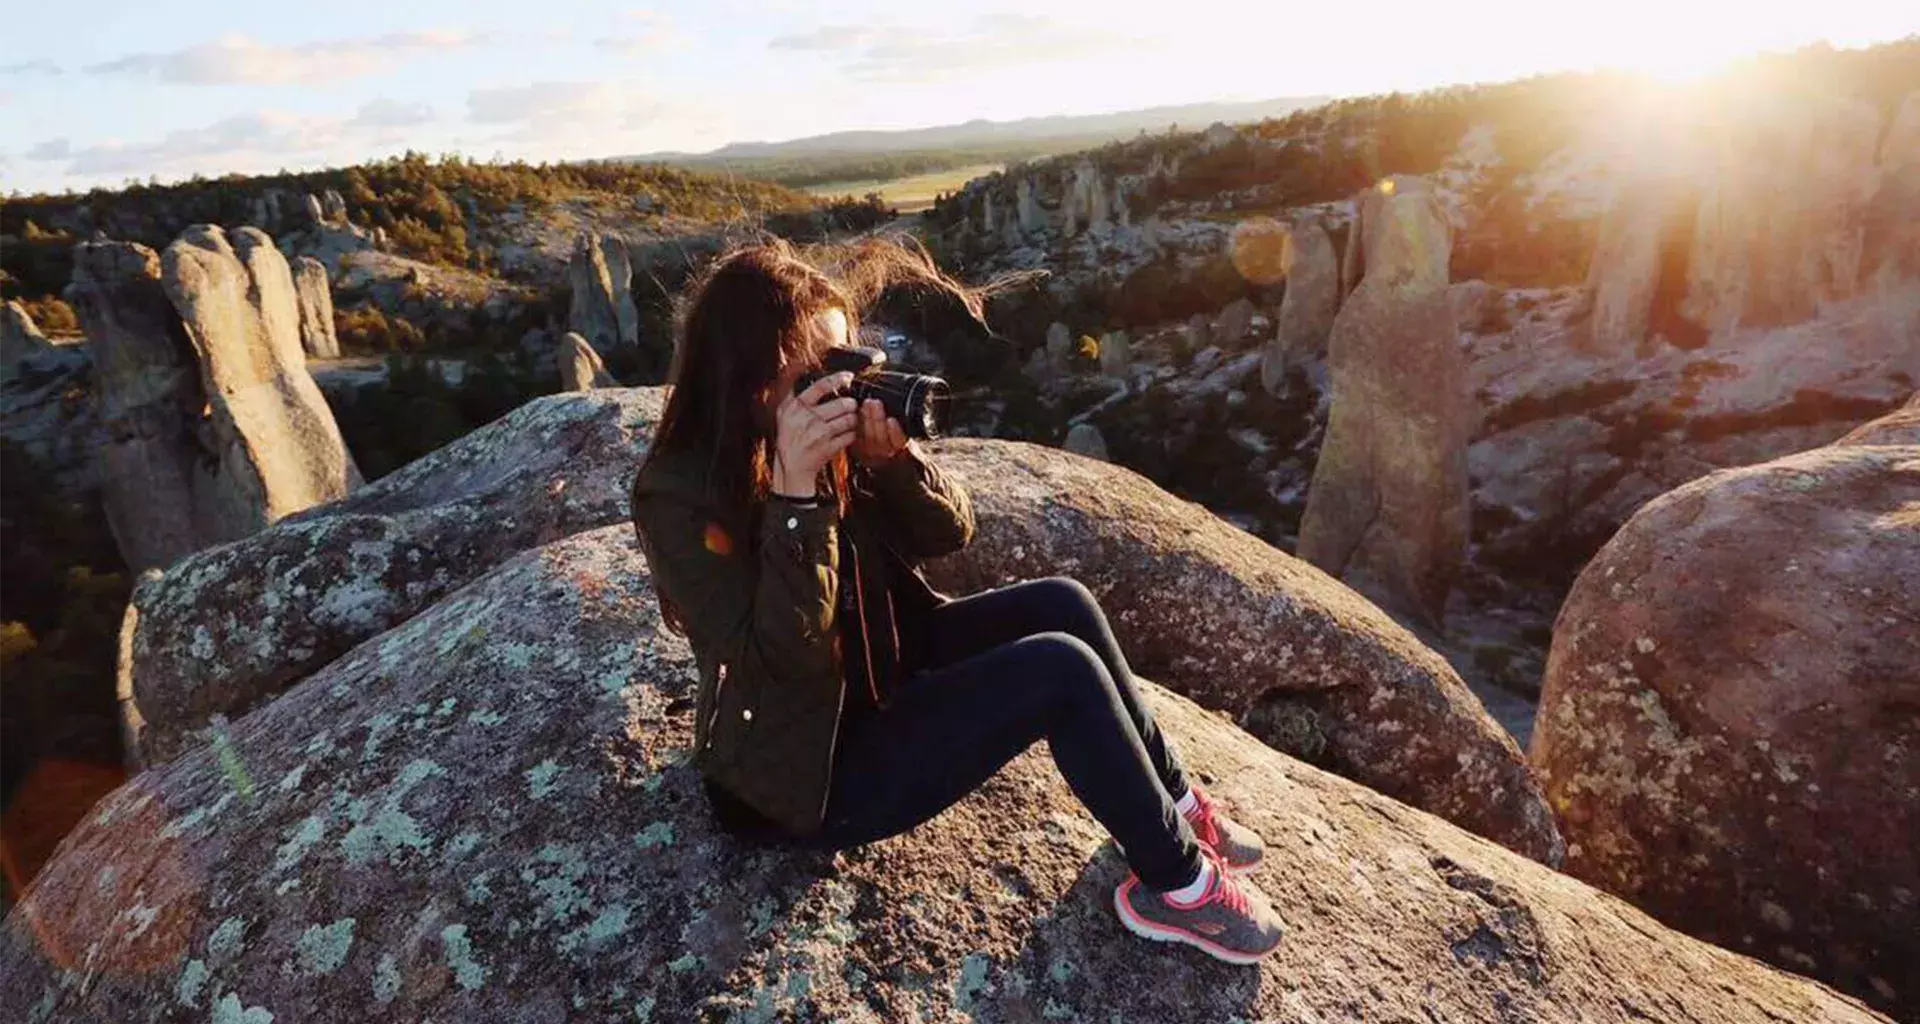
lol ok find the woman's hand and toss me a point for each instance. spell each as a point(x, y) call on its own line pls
point(810, 429)
point(880, 437)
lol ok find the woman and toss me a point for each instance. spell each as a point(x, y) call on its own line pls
point(841, 700)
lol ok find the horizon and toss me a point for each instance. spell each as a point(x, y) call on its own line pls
point(153, 94)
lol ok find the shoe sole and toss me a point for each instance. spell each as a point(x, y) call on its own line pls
point(1163, 933)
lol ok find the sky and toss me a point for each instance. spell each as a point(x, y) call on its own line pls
point(97, 92)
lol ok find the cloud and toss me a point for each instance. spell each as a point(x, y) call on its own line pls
point(230, 142)
point(543, 106)
point(898, 53)
point(52, 149)
point(31, 67)
point(643, 32)
point(236, 59)
point(386, 113)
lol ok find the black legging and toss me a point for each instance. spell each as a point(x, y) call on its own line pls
point(1027, 662)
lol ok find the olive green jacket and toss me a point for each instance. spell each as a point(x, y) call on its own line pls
point(756, 591)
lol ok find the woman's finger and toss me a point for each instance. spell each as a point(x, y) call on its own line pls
point(831, 384)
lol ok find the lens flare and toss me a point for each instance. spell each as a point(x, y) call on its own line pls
point(1262, 250)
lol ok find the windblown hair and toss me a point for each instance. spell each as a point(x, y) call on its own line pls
point(745, 320)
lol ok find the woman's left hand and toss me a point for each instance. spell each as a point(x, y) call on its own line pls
point(879, 437)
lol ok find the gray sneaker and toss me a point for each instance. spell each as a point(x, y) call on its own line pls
point(1232, 921)
point(1237, 844)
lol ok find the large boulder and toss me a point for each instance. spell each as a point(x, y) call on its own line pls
point(1388, 506)
point(272, 432)
point(1237, 625)
point(1307, 309)
point(581, 368)
point(234, 625)
point(1728, 728)
point(488, 814)
point(161, 487)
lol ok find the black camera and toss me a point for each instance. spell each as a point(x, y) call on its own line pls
point(918, 402)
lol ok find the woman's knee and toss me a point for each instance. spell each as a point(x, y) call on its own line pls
point(1067, 663)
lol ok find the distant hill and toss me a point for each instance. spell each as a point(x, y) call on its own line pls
point(986, 133)
point(881, 155)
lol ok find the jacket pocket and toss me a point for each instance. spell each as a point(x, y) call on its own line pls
point(731, 728)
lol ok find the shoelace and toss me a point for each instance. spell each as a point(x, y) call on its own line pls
point(1225, 889)
point(1202, 818)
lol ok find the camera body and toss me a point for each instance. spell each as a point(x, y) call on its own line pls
point(919, 402)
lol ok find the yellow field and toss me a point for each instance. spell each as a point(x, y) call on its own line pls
point(908, 195)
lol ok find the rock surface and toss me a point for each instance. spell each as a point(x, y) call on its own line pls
point(1388, 506)
point(20, 340)
point(1728, 728)
point(1901, 426)
point(601, 309)
point(427, 830)
point(581, 368)
point(315, 296)
point(1237, 625)
point(1625, 270)
point(1307, 309)
point(278, 446)
point(1780, 228)
point(237, 624)
point(1084, 439)
point(162, 500)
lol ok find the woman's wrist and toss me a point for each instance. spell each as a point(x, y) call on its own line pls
point(785, 486)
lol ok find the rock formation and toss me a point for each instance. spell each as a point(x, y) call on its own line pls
point(1901, 426)
point(274, 437)
point(235, 625)
point(488, 813)
point(988, 225)
point(328, 235)
point(1780, 229)
point(626, 313)
point(1027, 208)
point(1892, 243)
point(1059, 346)
point(1307, 308)
point(20, 340)
point(580, 366)
point(1116, 354)
point(1252, 632)
point(602, 310)
point(1388, 506)
point(1199, 332)
point(1625, 273)
point(160, 492)
point(1234, 326)
point(1084, 439)
point(1086, 203)
point(1728, 726)
point(315, 297)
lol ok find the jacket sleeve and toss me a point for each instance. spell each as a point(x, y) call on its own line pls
point(764, 610)
point(928, 513)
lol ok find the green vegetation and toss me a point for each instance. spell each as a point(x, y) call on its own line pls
point(430, 208)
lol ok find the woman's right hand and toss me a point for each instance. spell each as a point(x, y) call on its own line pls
point(811, 427)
